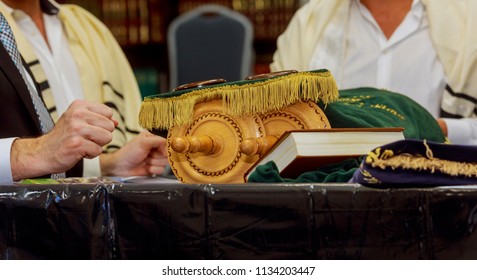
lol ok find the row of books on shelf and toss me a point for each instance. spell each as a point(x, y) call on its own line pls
point(146, 21)
point(137, 21)
point(269, 17)
point(131, 21)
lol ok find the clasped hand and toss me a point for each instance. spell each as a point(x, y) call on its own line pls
point(80, 133)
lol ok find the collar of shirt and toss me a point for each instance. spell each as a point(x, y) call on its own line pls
point(409, 25)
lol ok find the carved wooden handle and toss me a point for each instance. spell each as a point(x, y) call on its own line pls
point(192, 144)
point(261, 145)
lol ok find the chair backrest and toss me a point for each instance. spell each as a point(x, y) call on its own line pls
point(209, 42)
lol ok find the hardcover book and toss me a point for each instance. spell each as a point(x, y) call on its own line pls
point(299, 151)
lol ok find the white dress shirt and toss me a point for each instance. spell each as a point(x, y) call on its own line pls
point(373, 60)
point(55, 58)
point(5, 167)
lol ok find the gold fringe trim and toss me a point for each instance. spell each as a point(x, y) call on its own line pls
point(421, 163)
point(240, 99)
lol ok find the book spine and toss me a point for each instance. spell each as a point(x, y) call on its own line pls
point(157, 22)
point(148, 81)
point(143, 6)
point(133, 22)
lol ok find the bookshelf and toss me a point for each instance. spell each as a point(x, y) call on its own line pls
point(140, 26)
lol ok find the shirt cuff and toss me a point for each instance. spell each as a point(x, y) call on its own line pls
point(5, 167)
point(462, 131)
point(91, 167)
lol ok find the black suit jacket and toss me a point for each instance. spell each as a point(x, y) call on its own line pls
point(18, 117)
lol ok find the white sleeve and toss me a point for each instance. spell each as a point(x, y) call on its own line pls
point(462, 131)
point(5, 167)
point(91, 167)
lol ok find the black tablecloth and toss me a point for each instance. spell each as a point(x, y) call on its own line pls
point(244, 221)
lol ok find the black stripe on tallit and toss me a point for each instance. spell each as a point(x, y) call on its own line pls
point(460, 95)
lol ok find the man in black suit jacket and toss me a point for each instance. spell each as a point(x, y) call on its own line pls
point(80, 133)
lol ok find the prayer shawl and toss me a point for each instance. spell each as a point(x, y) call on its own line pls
point(106, 75)
point(322, 23)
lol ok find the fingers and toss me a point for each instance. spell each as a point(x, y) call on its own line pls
point(157, 157)
point(156, 161)
point(156, 145)
point(98, 135)
point(94, 114)
point(98, 108)
point(93, 121)
point(155, 170)
point(91, 149)
point(156, 166)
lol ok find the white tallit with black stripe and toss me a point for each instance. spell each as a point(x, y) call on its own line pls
point(452, 26)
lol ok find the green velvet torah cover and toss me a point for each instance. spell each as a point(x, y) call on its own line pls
point(371, 107)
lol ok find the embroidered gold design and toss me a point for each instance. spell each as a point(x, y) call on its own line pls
point(368, 177)
point(358, 101)
point(390, 110)
point(421, 163)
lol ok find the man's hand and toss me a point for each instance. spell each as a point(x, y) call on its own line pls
point(80, 132)
point(443, 126)
point(144, 155)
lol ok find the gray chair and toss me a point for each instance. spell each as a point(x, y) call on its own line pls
point(209, 42)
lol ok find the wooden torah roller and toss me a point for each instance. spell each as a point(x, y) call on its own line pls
point(220, 148)
point(207, 150)
point(219, 145)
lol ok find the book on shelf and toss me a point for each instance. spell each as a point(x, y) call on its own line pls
point(133, 21)
point(299, 151)
point(269, 17)
point(148, 81)
point(158, 20)
point(93, 6)
point(115, 16)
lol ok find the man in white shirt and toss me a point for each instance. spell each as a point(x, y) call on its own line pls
point(423, 49)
